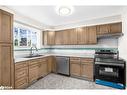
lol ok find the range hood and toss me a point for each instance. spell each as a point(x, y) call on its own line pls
point(110, 35)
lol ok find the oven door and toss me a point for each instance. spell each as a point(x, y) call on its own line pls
point(112, 72)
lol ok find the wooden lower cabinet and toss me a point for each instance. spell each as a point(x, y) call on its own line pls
point(26, 72)
point(43, 67)
point(87, 68)
point(50, 60)
point(75, 69)
point(33, 73)
point(75, 66)
point(54, 64)
point(87, 71)
point(82, 68)
point(34, 69)
point(21, 83)
point(21, 74)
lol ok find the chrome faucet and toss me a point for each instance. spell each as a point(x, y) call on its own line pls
point(31, 50)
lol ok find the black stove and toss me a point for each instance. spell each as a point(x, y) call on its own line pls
point(109, 67)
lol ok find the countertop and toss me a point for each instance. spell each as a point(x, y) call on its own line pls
point(19, 59)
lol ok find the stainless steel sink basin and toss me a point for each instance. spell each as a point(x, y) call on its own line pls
point(31, 56)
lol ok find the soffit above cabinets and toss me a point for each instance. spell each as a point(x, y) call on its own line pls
point(48, 16)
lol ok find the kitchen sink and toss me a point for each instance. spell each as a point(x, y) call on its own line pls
point(31, 56)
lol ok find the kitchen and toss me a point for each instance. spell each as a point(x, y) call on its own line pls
point(67, 49)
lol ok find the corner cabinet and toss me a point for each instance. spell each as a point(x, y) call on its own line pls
point(26, 72)
point(6, 49)
point(49, 37)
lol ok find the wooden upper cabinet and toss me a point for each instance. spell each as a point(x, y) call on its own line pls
point(109, 28)
point(82, 35)
point(6, 27)
point(73, 36)
point(116, 27)
point(49, 37)
point(66, 36)
point(103, 29)
point(92, 35)
point(44, 35)
point(58, 37)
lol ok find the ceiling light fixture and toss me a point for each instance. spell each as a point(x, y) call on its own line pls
point(64, 10)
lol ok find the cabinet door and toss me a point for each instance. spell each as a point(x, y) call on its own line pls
point(103, 29)
point(53, 64)
point(33, 73)
point(82, 35)
point(87, 70)
point(43, 68)
point(50, 37)
point(66, 37)
point(72, 36)
point(92, 35)
point(6, 65)
point(50, 62)
point(58, 37)
point(116, 28)
point(6, 26)
point(75, 69)
point(45, 37)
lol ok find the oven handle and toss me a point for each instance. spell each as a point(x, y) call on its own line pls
point(110, 64)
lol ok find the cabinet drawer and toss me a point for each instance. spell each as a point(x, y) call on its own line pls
point(22, 72)
point(21, 83)
point(87, 60)
point(34, 61)
point(22, 64)
point(75, 60)
point(44, 60)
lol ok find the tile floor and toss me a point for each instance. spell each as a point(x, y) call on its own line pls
point(55, 81)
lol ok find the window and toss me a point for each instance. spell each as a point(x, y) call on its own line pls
point(24, 37)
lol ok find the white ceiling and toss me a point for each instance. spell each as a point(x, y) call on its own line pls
point(47, 14)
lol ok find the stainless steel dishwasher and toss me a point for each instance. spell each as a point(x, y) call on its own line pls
point(62, 65)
